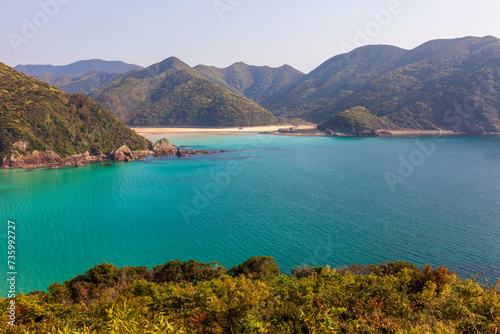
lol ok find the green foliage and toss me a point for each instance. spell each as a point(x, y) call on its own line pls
point(192, 271)
point(353, 121)
point(257, 266)
point(105, 273)
point(79, 84)
point(393, 297)
point(49, 119)
point(172, 93)
point(447, 84)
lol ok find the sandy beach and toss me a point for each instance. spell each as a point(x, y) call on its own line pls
point(152, 131)
point(272, 130)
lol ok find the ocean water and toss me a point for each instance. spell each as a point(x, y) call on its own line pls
point(301, 200)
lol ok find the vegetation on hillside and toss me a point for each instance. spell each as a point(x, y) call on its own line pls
point(442, 84)
point(49, 119)
point(172, 93)
point(355, 120)
point(79, 84)
point(254, 82)
point(193, 297)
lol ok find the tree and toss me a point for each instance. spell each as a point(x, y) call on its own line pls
point(257, 266)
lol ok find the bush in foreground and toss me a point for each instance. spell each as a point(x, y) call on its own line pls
point(193, 297)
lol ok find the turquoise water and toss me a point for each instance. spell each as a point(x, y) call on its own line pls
point(298, 199)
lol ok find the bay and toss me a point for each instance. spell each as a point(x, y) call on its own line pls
point(314, 200)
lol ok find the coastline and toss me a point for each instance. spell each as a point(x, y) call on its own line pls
point(51, 160)
point(378, 133)
point(409, 132)
point(143, 131)
point(274, 130)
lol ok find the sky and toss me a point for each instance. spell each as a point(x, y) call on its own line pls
point(302, 34)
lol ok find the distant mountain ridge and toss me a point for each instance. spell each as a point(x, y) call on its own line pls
point(172, 93)
point(79, 84)
point(78, 68)
point(423, 88)
point(254, 82)
point(442, 84)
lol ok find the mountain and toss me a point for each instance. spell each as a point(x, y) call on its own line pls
point(446, 84)
point(36, 116)
point(78, 68)
point(254, 82)
point(79, 84)
point(172, 93)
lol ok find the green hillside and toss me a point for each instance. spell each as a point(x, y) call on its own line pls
point(79, 84)
point(254, 82)
point(447, 84)
point(172, 93)
point(355, 120)
point(49, 119)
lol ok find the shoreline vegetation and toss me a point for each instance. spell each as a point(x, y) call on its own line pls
point(255, 297)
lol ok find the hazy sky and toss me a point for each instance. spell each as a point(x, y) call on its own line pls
point(302, 34)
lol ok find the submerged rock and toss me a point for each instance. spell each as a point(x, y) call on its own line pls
point(180, 153)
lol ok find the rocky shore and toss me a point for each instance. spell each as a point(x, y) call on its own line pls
point(326, 133)
point(49, 159)
point(374, 133)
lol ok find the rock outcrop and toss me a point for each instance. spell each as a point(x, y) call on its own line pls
point(22, 145)
point(164, 148)
point(52, 160)
point(123, 154)
point(47, 159)
point(31, 160)
point(180, 153)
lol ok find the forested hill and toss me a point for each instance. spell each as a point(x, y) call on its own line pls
point(254, 82)
point(81, 77)
point(447, 84)
point(173, 93)
point(34, 113)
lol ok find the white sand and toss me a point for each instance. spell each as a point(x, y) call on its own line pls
point(182, 132)
point(157, 131)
